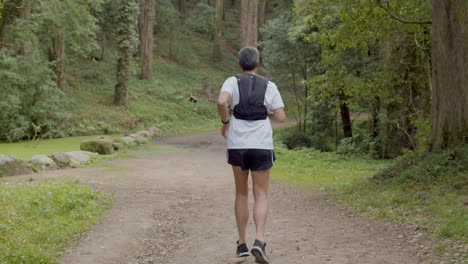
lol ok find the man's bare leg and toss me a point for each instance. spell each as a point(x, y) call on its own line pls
point(260, 180)
point(242, 201)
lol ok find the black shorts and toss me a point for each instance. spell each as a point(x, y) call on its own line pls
point(251, 159)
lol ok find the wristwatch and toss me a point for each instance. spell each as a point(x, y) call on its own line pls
point(225, 122)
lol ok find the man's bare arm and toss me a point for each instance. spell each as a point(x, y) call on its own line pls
point(278, 115)
point(223, 103)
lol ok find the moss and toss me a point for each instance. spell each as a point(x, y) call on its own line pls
point(101, 146)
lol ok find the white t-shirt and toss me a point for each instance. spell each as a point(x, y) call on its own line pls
point(246, 134)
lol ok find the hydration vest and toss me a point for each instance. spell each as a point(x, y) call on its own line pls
point(252, 89)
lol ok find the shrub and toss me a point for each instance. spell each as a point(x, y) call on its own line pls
point(360, 144)
point(293, 138)
point(441, 168)
point(31, 104)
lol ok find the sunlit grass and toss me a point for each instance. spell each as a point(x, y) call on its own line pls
point(317, 170)
point(40, 219)
point(26, 149)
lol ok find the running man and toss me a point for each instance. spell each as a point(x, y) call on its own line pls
point(255, 101)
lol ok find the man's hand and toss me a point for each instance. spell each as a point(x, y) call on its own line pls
point(225, 130)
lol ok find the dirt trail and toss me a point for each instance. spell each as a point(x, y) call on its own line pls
point(178, 208)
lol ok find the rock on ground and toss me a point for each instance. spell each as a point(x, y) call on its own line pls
point(126, 141)
point(43, 162)
point(145, 134)
point(101, 146)
point(139, 139)
point(154, 130)
point(69, 159)
point(11, 165)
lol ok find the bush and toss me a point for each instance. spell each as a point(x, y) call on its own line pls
point(360, 144)
point(31, 104)
point(293, 138)
point(440, 168)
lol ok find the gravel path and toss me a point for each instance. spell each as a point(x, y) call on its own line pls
point(178, 208)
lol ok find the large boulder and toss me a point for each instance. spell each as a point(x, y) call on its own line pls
point(11, 165)
point(126, 141)
point(154, 130)
point(101, 146)
point(139, 139)
point(69, 159)
point(43, 162)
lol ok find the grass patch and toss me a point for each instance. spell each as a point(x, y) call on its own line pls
point(40, 219)
point(99, 160)
point(26, 149)
point(315, 170)
point(429, 191)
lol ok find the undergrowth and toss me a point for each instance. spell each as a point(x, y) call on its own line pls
point(40, 219)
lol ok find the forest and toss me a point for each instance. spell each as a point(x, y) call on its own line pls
point(380, 83)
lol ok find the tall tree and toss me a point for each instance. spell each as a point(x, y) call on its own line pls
point(67, 25)
point(249, 23)
point(261, 16)
point(25, 14)
point(127, 39)
point(218, 31)
point(147, 13)
point(57, 53)
point(183, 7)
point(449, 113)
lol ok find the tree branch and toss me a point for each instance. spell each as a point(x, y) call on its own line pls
point(402, 20)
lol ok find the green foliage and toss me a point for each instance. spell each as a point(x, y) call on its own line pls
point(2, 5)
point(368, 55)
point(201, 19)
point(167, 19)
point(290, 61)
point(360, 144)
point(39, 219)
point(293, 138)
point(73, 19)
point(127, 17)
point(31, 105)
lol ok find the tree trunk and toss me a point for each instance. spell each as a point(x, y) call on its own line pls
point(146, 39)
point(123, 74)
point(345, 117)
point(25, 14)
point(170, 44)
point(261, 16)
point(244, 21)
point(449, 110)
point(252, 30)
point(219, 22)
point(126, 33)
point(375, 116)
point(183, 7)
point(249, 24)
point(58, 55)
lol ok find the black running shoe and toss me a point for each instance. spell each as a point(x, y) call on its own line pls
point(258, 250)
point(242, 250)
